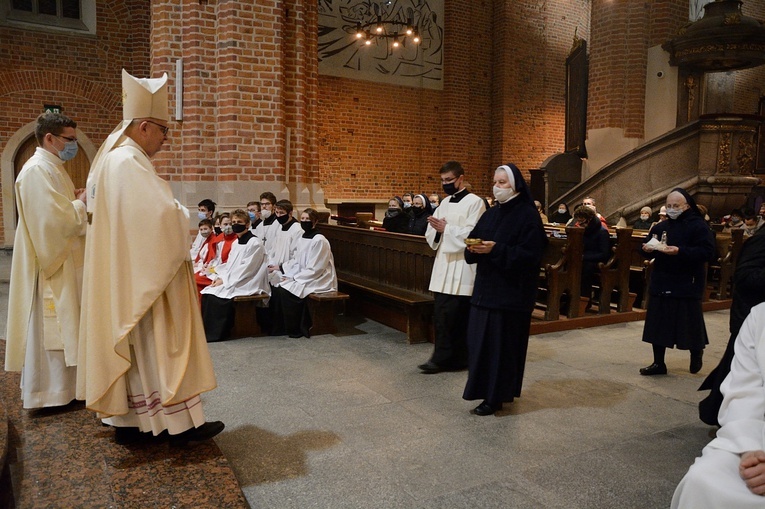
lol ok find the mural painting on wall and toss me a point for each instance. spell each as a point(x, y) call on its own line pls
point(411, 64)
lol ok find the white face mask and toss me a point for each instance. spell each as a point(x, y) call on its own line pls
point(644, 217)
point(674, 213)
point(504, 194)
point(561, 211)
point(265, 214)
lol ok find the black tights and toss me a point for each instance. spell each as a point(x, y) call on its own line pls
point(658, 353)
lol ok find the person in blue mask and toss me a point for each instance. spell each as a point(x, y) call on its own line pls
point(46, 270)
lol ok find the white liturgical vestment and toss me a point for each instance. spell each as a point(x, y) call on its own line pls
point(451, 275)
point(139, 318)
point(46, 281)
point(713, 481)
point(312, 270)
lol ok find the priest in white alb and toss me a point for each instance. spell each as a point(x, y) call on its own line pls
point(143, 358)
point(46, 270)
point(731, 469)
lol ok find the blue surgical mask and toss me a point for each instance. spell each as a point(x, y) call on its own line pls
point(252, 216)
point(69, 152)
point(201, 215)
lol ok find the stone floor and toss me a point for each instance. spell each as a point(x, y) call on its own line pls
point(347, 421)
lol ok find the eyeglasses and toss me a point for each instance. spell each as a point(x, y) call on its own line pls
point(449, 181)
point(67, 138)
point(265, 204)
point(164, 128)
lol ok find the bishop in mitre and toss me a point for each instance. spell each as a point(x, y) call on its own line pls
point(143, 357)
point(46, 269)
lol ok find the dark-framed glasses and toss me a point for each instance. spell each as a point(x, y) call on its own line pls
point(164, 128)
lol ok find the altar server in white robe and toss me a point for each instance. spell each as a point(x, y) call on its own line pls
point(284, 240)
point(451, 280)
point(245, 273)
point(143, 357)
point(731, 469)
point(46, 270)
point(311, 271)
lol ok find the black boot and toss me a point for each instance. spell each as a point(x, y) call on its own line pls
point(696, 360)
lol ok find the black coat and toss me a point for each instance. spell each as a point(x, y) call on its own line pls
point(398, 223)
point(507, 277)
point(418, 221)
point(681, 275)
point(597, 242)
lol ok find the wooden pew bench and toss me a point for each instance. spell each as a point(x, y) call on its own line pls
point(323, 309)
point(561, 271)
point(404, 310)
point(614, 274)
point(386, 276)
point(245, 322)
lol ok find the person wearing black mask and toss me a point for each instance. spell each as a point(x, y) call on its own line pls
point(312, 270)
point(680, 247)
point(396, 220)
point(421, 211)
point(244, 273)
point(451, 280)
point(285, 241)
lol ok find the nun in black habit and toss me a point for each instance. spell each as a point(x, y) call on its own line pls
point(674, 317)
point(507, 273)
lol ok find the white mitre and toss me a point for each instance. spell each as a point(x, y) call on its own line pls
point(141, 98)
point(144, 97)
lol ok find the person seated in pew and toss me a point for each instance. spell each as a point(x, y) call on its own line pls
point(267, 228)
point(590, 202)
point(244, 273)
point(736, 221)
point(597, 247)
point(312, 270)
point(253, 210)
point(752, 222)
point(223, 243)
point(561, 215)
point(396, 220)
point(216, 225)
point(284, 242)
point(541, 211)
point(418, 221)
point(206, 209)
point(206, 254)
point(731, 469)
point(645, 222)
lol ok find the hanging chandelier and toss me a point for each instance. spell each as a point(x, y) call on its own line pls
point(398, 30)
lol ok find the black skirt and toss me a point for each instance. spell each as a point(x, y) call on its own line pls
point(497, 343)
point(673, 322)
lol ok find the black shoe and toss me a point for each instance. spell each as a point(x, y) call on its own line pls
point(204, 432)
point(697, 362)
point(430, 368)
point(129, 435)
point(486, 409)
point(654, 369)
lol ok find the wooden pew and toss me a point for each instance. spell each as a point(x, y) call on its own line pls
point(386, 275)
point(562, 265)
point(615, 274)
point(720, 276)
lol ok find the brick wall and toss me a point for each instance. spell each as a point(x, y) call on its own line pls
point(532, 41)
point(79, 72)
point(503, 101)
